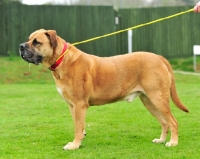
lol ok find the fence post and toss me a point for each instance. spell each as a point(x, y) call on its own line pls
point(130, 34)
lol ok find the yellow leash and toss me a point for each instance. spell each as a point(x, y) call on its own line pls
point(62, 55)
point(134, 27)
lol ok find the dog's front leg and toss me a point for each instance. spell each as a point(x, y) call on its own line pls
point(78, 112)
point(72, 113)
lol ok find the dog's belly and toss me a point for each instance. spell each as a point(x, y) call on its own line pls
point(101, 100)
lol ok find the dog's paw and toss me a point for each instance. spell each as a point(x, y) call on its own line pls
point(169, 144)
point(71, 146)
point(158, 141)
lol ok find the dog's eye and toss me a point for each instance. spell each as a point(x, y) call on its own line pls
point(35, 42)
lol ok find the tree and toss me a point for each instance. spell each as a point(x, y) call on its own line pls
point(173, 2)
point(189, 2)
point(116, 3)
point(135, 3)
point(10, 1)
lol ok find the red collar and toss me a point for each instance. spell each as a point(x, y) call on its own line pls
point(60, 58)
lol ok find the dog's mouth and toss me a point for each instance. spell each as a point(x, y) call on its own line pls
point(29, 55)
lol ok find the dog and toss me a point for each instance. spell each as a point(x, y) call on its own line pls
point(85, 80)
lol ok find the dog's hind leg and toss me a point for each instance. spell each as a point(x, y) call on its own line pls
point(153, 110)
point(161, 101)
point(79, 114)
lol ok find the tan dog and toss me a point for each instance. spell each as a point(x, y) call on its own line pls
point(85, 80)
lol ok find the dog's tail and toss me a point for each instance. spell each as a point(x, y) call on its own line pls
point(173, 92)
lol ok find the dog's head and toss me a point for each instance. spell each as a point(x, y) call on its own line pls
point(40, 45)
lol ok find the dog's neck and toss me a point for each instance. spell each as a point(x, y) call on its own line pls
point(60, 58)
point(72, 55)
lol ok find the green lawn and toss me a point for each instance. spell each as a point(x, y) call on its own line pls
point(36, 123)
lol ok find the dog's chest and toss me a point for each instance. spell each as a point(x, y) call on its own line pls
point(60, 91)
point(64, 95)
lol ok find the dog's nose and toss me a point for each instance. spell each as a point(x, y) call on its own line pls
point(22, 47)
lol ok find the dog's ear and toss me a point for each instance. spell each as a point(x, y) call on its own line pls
point(51, 34)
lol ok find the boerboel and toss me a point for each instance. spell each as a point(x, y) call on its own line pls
point(85, 80)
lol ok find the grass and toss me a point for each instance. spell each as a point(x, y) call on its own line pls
point(15, 70)
point(185, 64)
point(36, 122)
